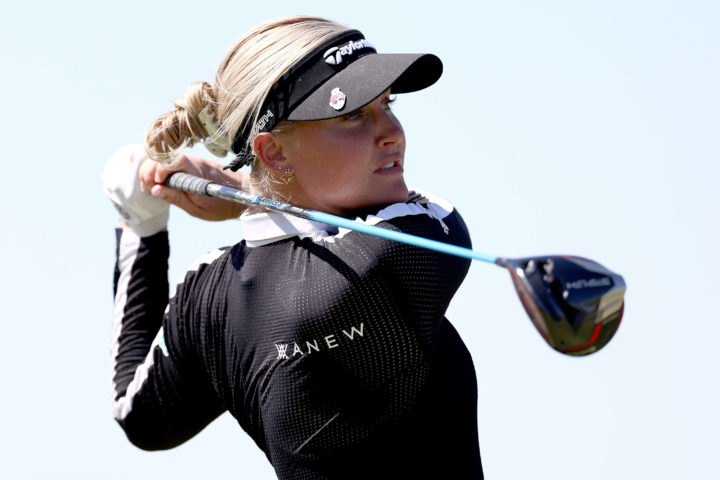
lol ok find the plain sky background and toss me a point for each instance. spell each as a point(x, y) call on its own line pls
point(580, 127)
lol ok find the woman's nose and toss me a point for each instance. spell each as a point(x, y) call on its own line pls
point(390, 131)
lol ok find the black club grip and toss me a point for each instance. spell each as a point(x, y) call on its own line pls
point(188, 183)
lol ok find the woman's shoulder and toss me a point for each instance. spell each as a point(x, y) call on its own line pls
point(420, 207)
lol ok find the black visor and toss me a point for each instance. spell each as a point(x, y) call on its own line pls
point(340, 76)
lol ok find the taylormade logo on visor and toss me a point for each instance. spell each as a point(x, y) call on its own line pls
point(334, 55)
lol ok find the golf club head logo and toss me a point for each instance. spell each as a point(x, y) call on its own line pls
point(337, 99)
point(589, 283)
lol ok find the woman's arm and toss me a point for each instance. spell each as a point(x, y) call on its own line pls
point(421, 281)
point(161, 394)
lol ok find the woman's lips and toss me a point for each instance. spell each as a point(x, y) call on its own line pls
point(390, 168)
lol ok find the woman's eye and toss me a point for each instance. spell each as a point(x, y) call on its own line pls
point(358, 114)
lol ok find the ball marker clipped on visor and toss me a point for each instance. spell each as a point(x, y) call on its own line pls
point(337, 99)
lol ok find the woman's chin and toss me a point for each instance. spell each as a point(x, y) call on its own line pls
point(399, 193)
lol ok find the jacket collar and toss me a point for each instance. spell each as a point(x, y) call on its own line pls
point(263, 228)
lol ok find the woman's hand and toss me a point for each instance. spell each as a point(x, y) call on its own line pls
point(152, 175)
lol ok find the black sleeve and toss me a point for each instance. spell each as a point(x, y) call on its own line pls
point(158, 399)
point(421, 281)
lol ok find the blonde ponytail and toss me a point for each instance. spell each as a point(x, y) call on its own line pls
point(182, 127)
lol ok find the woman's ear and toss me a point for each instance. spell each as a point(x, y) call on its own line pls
point(268, 149)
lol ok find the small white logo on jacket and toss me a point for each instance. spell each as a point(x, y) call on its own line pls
point(287, 350)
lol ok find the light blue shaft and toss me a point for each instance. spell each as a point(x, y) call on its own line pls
point(398, 236)
point(189, 183)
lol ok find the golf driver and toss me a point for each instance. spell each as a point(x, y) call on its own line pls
point(576, 304)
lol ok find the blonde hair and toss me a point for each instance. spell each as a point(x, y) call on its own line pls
point(243, 80)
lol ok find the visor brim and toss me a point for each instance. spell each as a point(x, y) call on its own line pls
point(366, 79)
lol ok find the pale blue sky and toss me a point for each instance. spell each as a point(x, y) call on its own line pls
point(581, 127)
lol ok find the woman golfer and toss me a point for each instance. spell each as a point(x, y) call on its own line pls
point(329, 347)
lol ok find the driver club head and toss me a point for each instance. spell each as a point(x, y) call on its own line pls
point(576, 304)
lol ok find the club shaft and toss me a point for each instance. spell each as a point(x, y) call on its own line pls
point(192, 184)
